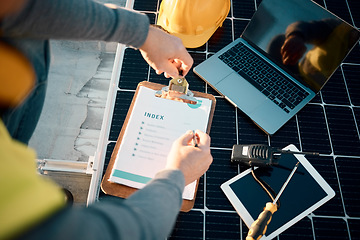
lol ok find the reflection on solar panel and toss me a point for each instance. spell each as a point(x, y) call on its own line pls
point(330, 125)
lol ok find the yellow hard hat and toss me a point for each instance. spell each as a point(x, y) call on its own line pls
point(193, 21)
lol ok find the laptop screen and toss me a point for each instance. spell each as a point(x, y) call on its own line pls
point(301, 37)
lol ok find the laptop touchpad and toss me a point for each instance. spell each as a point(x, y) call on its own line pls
point(241, 92)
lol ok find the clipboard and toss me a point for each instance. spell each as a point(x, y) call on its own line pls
point(124, 191)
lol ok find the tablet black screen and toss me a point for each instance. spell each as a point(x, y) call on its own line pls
point(301, 193)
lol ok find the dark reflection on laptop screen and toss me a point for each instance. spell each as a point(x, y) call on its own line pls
point(308, 41)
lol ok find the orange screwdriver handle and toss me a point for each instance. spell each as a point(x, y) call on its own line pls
point(259, 226)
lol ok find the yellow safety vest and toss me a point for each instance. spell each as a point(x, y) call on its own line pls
point(26, 198)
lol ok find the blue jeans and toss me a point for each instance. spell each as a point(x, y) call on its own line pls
point(21, 121)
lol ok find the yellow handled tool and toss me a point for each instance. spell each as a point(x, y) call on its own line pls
point(259, 226)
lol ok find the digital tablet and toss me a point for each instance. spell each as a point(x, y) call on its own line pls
point(305, 192)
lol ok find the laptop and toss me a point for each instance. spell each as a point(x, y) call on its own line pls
point(284, 57)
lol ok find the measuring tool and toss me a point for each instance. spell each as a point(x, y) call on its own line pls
point(259, 226)
point(260, 155)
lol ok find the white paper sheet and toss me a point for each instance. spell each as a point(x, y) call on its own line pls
point(153, 126)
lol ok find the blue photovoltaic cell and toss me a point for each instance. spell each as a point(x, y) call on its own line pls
point(330, 228)
point(134, 69)
point(152, 17)
point(287, 134)
point(122, 104)
point(354, 228)
point(349, 178)
point(148, 5)
point(199, 200)
point(357, 115)
point(329, 125)
point(351, 74)
point(340, 8)
point(109, 151)
point(326, 167)
point(313, 129)
point(353, 56)
point(317, 98)
point(249, 133)
point(335, 91)
point(189, 226)
point(209, 89)
point(301, 230)
point(244, 9)
point(239, 27)
point(155, 78)
point(219, 172)
point(223, 128)
point(221, 37)
point(343, 131)
point(354, 6)
point(196, 83)
point(216, 222)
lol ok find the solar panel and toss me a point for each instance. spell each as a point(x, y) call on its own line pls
point(329, 124)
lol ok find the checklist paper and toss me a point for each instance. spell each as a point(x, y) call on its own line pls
point(155, 123)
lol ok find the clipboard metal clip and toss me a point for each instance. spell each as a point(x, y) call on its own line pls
point(177, 90)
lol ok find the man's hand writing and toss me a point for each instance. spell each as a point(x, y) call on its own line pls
point(192, 161)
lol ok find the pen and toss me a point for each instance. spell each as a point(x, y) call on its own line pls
point(194, 139)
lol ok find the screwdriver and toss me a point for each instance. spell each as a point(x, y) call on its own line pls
point(258, 227)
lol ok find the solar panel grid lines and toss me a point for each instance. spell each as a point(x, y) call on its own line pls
point(351, 76)
point(347, 168)
point(329, 125)
point(354, 8)
point(330, 228)
point(122, 104)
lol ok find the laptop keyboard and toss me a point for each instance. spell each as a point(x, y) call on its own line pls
point(267, 79)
